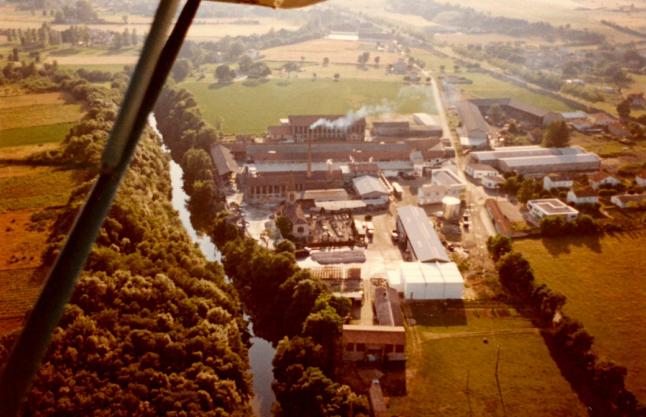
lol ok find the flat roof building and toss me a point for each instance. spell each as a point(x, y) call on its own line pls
point(419, 235)
point(551, 207)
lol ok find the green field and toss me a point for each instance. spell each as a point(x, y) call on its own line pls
point(446, 359)
point(39, 115)
point(250, 109)
point(486, 86)
point(34, 135)
point(38, 188)
point(604, 282)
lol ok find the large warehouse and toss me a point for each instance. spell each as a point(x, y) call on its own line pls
point(418, 234)
point(428, 281)
point(539, 160)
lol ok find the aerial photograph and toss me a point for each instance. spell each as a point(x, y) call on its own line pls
point(322, 208)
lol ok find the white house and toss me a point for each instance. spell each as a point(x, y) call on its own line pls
point(640, 179)
point(582, 196)
point(478, 171)
point(431, 194)
point(557, 181)
point(551, 208)
point(492, 182)
point(627, 200)
point(602, 178)
point(448, 178)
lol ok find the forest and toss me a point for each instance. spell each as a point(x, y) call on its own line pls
point(151, 323)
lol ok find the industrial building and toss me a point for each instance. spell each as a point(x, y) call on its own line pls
point(445, 177)
point(318, 128)
point(428, 281)
point(523, 112)
point(223, 160)
point(371, 188)
point(418, 236)
point(474, 132)
point(536, 160)
point(373, 342)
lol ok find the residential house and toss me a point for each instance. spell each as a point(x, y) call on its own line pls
point(373, 343)
point(601, 179)
point(551, 208)
point(640, 178)
point(629, 200)
point(618, 129)
point(636, 100)
point(557, 181)
point(583, 196)
point(294, 212)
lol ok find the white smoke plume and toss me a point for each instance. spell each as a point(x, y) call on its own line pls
point(343, 123)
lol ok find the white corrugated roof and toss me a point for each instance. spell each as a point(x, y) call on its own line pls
point(368, 184)
point(421, 234)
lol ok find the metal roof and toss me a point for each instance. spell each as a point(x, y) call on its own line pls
point(552, 160)
point(471, 117)
point(223, 159)
point(368, 185)
point(421, 234)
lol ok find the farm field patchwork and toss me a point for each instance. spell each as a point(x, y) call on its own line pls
point(452, 361)
point(604, 282)
point(34, 135)
point(242, 108)
point(36, 110)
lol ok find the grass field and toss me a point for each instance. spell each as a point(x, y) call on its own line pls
point(250, 109)
point(34, 135)
point(40, 189)
point(451, 370)
point(36, 110)
point(605, 285)
point(486, 86)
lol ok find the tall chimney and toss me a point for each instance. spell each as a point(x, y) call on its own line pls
point(309, 155)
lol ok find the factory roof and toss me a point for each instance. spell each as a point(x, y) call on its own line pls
point(421, 234)
point(471, 117)
point(369, 184)
point(552, 160)
point(223, 160)
point(447, 178)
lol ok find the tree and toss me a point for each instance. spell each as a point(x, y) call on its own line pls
point(623, 109)
point(258, 70)
point(456, 68)
point(285, 226)
point(376, 60)
point(244, 64)
point(557, 135)
point(525, 191)
point(181, 69)
point(515, 273)
point(495, 113)
point(285, 246)
point(337, 76)
point(224, 74)
point(442, 69)
point(197, 165)
point(326, 61)
point(498, 246)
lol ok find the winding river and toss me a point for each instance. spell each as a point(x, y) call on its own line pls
point(261, 353)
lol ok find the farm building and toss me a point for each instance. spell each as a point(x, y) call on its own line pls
point(431, 281)
point(521, 111)
point(557, 181)
point(418, 235)
point(318, 128)
point(536, 160)
point(628, 200)
point(551, 207)
point(479, 171)
point(223, 160)
point(582, 196)
point(474, 132)
point(373, 343)
point(447, 178)
point(370, 188)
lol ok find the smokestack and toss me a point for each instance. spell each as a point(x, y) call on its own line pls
point(309, 156)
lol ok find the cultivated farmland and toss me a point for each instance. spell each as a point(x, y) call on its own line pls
point(604, 282)
point(452, 365)
point(37, 110)
point(243, 108)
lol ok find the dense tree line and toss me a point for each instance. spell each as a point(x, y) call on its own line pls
point(600, 384)
point(152, 328)
point(287, 305)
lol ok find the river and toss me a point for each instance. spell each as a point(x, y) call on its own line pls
point(261, 353)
